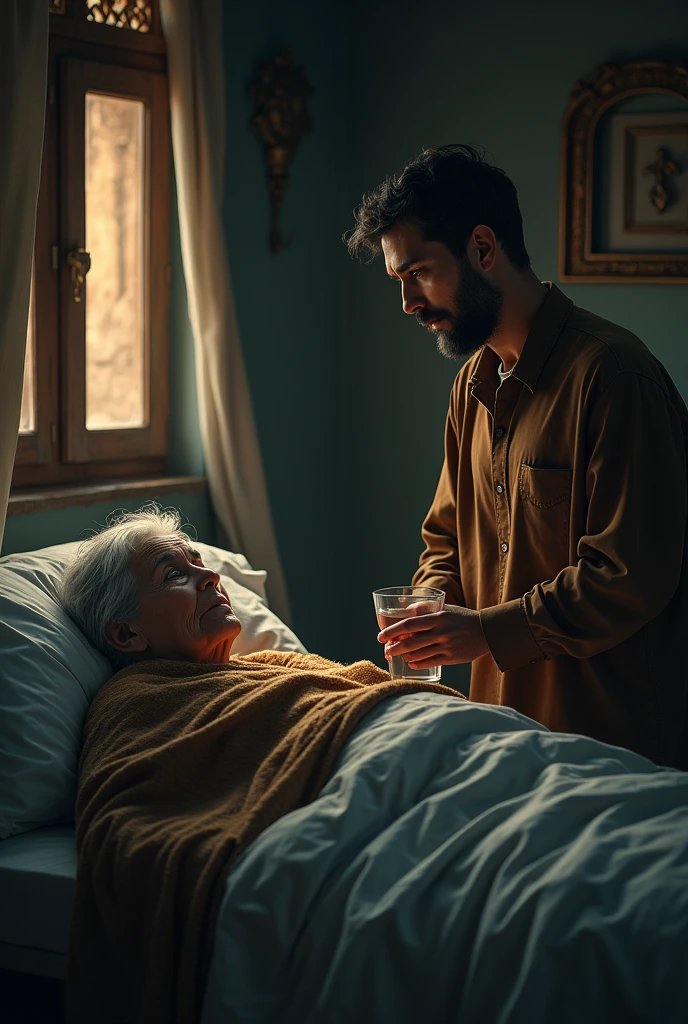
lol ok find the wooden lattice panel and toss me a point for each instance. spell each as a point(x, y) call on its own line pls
point(136, 15)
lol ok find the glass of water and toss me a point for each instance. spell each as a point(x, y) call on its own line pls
point(395, 603)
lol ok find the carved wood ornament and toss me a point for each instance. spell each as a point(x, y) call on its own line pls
point(281, 120)
point(589, 100)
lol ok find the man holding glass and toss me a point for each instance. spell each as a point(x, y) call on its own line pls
point(559, 529)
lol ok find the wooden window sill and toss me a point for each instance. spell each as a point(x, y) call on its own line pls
point(26, 501)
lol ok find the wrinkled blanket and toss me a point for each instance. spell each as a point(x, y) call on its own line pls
point(183, 766)
point(463, 865)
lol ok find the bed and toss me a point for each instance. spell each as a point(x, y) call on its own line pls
point(461, 862)
point(37, 876)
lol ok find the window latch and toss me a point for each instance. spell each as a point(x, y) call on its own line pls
point(79, 262)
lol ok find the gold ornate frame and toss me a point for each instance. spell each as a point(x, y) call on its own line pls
point(588, 101)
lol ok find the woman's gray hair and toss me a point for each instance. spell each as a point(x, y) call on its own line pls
point(99, 586)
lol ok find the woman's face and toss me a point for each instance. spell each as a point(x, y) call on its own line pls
point(184, 611)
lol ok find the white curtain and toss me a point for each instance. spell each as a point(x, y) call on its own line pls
point(193, 32)
point(23, 77)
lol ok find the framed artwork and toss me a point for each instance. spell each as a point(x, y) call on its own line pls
point(624, 176)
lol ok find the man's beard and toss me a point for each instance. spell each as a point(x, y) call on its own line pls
point(476, 315)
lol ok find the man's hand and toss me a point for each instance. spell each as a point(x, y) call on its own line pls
point(450, 637)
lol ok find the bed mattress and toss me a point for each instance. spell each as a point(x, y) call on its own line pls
point(37, 879)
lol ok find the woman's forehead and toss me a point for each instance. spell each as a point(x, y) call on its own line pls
point(157, 550)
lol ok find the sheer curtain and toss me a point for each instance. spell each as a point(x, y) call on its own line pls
point(23, 77)
point(193, 32)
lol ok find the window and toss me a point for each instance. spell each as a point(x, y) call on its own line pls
point(95, 401)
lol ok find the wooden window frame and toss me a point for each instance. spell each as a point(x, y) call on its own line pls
point(79, 444)
point(60, 451)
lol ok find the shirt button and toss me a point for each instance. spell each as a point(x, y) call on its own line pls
point(500, 431)
point(499, 489)
point(505, 548)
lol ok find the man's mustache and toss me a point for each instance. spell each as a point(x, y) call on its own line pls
point(426, 317)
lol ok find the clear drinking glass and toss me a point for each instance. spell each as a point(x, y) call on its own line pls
point(395, 603)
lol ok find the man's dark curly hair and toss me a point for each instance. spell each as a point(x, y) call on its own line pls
point(447, 190)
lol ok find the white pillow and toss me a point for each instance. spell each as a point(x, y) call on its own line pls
point(261, 629)
point(49, 673)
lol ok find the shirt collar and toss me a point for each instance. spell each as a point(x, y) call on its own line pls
point(544, 331)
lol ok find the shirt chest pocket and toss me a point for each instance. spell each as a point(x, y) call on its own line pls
point(541, 520)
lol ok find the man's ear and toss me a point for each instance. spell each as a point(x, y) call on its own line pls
point(125, 637)
point(484, 246)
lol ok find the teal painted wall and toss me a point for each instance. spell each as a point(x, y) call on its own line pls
point(25, 533)
point(496, 75)
point(289, 303)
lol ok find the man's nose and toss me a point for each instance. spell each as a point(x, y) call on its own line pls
point(412, 300)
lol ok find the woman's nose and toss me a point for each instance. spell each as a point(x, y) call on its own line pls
point(207, 577)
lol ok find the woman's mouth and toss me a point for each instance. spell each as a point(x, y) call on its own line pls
point(217, 602)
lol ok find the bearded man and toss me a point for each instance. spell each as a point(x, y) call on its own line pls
point(559, 526)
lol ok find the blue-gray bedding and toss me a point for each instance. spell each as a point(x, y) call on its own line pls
point(463, 864)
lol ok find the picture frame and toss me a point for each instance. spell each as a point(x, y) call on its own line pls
point(624, 176)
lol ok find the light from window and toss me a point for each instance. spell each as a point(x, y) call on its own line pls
point(27, 419)
point(133, 14)
point(115, 331)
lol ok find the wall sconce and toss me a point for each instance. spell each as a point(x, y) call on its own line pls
point(281, 120)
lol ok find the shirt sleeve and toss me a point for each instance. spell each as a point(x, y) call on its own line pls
point(630, 557)
point(439, 563)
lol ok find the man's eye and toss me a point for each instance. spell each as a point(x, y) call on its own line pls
point(172, 573)
point(417, 271)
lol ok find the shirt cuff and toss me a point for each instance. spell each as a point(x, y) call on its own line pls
point(508, 635)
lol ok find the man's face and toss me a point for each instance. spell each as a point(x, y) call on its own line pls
point(185, 613)
point(458, 303)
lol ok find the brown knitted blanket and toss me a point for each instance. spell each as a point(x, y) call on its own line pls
point(183, 766)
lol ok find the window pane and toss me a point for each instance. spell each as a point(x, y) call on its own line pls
point(115, 342)
point(27, 419)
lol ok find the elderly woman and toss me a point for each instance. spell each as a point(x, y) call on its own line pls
point(189, 753)
point(139, 590)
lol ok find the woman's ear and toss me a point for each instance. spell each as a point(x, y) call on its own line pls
point(125, 637)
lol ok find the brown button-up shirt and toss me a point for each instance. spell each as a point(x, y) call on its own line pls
point(561, 515)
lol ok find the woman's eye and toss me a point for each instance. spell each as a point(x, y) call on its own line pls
point(172, 574)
